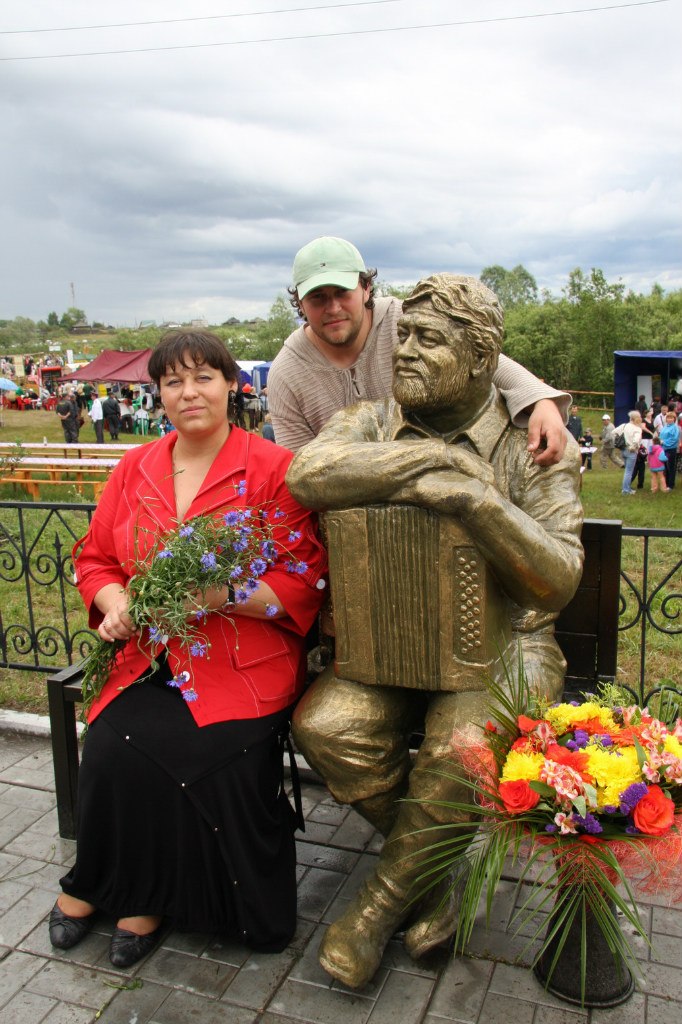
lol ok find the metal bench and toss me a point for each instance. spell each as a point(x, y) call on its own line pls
point(587, 632)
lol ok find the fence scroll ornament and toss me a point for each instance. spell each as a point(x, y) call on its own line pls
point(41, 630)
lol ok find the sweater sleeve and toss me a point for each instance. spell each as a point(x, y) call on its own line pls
point(521, 389)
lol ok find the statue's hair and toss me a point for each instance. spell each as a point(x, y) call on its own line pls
point(465, 299)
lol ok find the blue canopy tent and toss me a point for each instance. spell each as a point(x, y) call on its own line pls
point(652, 374)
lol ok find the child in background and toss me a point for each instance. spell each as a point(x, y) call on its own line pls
point(586, 441)
point(657, 459)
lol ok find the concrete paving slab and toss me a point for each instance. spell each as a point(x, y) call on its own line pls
point(211, 980)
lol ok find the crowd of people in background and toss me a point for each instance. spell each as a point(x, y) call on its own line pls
point(652, 437)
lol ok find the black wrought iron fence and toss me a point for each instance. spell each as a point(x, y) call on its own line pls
point(43, 625)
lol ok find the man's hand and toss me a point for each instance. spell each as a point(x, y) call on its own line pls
point(547, 434)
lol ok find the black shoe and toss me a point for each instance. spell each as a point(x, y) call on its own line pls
point(66, 931)
point(127, 948)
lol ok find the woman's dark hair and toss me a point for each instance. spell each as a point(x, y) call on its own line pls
point(200, 346)
point(367, 280)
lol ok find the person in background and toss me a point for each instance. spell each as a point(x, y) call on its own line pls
point(268, 429)
point(127, 411)
point(575, 424)
point(608, 449)
point(264, 404)
point(641, 460)
point(657, 460)
point(669, 436)
point(112, 415)
point(659, 418)
point(586, 441)
point(67, 410)
point(96, 414)
point(632, 432)
point(641, 406)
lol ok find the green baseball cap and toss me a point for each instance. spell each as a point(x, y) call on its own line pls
point(327, 261)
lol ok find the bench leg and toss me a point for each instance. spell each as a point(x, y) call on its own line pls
point(65, 756)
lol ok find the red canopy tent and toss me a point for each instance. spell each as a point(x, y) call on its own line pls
point(114, 365)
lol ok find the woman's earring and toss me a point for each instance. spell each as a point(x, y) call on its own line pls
point(232, 406)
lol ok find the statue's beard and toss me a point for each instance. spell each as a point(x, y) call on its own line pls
point(411, 393)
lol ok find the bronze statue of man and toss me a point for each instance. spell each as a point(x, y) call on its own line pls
point(443, 534)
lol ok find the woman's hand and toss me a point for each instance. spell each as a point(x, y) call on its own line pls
point(112, 601)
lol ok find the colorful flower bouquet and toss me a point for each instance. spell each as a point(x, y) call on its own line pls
point(586, 799)
point(168, 589)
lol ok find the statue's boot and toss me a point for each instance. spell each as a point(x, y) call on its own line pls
point(353, 946)
point(437, 916)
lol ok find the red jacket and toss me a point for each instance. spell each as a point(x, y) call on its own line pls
point(249, 672)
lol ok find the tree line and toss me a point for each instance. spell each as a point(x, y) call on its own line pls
point(567, 340)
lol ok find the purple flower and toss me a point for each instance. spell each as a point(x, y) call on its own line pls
point(574, 703)
point(198, 650)
point(186, 531)
point(200, 614)
point(610, 809)
point(297, 567)
point(268, 549)
point(632, 831)
point(251, 585)
point(190, 695)
point(279, 514)
point(588, 824)
point(241, 544)
point(177, 681)
point(231, 518)
point(154, 633)
point(208, 561)
point(258, 566)
point(606, 740)
point(581, 737)
point(237, 571)
point(241, 488)
point(551, 827)
point(264, 513)
point(174, 683)
point(165, 553)
point(271, 610)
point(631, 797)
point(246, 514)
point(294, 535)
point(240, 596)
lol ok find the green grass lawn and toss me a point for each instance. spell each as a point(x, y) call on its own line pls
point(601, 497)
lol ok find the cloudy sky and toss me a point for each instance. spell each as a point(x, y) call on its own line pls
point(179, 181)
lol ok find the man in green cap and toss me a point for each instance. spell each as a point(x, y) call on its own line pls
point(342, 355)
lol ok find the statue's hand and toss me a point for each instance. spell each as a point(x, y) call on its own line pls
point(469, 464)
point(446, 491)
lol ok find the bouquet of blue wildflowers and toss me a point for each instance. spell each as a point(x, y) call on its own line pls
point(167, 593)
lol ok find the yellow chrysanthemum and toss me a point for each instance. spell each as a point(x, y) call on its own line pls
point(673, 745)
point(522, 766)
point(564, 716)
point(613, 770)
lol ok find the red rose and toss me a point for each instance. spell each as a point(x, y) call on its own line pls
point(655, 812)
point(518, 797)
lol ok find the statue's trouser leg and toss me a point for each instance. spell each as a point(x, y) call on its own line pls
point(357, 738)
point(362, 762)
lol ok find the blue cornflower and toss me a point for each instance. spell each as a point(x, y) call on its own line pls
point(241, 488)
point(177, 681)
point(154, 633)
point(241, 544)
point(279, 514)
point(270, 610)
point(208, 561)
point(165, 553)
point(174, 683)
point(246, 514)
point(190, 695)
point(631, 796)
point(236, 572)
point(294, 535)
point(231, 518)
point(245, 531)
point(268, 549)
point(251, 585)
point(264, 513)
point(258, 566)
point(200, 614)
point(240, 596)
point(301, 567)
point(198, 650)
point(186, 531)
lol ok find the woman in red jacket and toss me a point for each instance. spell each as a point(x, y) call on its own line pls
point(182, 815)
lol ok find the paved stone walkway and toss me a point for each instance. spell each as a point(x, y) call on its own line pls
point(203, 979)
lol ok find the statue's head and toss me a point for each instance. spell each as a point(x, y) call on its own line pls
point(449, 340)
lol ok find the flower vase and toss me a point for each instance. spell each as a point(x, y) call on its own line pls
point(608, 981)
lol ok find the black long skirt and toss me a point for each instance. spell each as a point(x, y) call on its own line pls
point(190, 824)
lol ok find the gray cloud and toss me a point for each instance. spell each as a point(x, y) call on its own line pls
point(181, 183)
